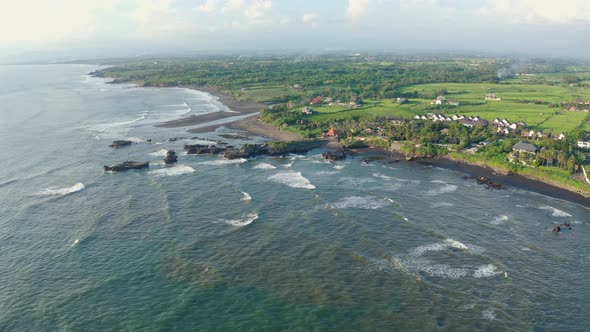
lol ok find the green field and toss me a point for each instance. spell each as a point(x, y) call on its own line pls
point(516, 105)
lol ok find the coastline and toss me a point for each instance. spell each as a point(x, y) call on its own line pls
point(254, 126)
point(518, 181)
point(251, 125)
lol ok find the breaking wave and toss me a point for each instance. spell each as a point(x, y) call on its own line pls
point(221, 162)
point(246, 196)
point(382, 176)
point(360, 202)
point(243, 222)
point(264, 166)
point(292, 179)
point(555, 212)
point(63, 191)
point(173, 171)
point(447, 188)
point(160, 153)
point(499, 220)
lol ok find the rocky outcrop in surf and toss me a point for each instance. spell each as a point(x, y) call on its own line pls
point(127, 165)
point(482, 180)
point(171, 158)
point(273, 149)
point(203, 149)
point(120, 144)
point(335, 155)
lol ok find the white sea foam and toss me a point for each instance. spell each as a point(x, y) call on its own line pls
point(415, 261)
point(246, 196)
point(75, 242)
point(360, 202)
point(456, 244)
point(555, 212)
point(467, 306)
point(359, 181)
point(442, 204)
point(382, 176)
point(105, 126)
point(438, 181)
point(250, 218)
point(288, 165)
point(488, 314)
point(221, 162)
point(292, 179)
point(339, 167)
point(447, 188)
point(173, 171)
point(486, 271)
point(264, 166)
point(160, 153)
point(391, 186)
point(63, 191)
point(326, 173)
point(499, 220)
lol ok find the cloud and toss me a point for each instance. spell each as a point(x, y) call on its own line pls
point(310, 18)
point(357, 8)
point(208, 6)
point(538, 11)
point(258, 9)
point(232, 5)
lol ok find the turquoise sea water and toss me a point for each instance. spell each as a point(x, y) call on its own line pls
point(294, 243)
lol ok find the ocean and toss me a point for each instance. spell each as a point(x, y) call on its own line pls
point(267, 244)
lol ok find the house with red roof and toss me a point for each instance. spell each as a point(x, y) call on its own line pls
point(315, 100)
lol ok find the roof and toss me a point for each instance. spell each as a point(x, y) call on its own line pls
point(523, 146)
point(316, 100)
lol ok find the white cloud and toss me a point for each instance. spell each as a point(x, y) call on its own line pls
point(232, 5)
point(357, 8)
point(258, 9)
point(538, 11)
point(208, 6)
point(310, 18)
point(40, 22)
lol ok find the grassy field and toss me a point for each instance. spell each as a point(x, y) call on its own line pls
point(514, 105)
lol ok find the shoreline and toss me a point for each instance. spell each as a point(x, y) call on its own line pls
point(254, 126)
point(518, 181)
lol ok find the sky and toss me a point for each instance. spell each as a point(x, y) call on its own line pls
point(543, 27)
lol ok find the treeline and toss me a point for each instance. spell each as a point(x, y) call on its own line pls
point(341, 78)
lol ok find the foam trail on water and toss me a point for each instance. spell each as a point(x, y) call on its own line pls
point(63, 191)
point(361, 202)
point(292, 179)
point(243, 222)
point(173, 171)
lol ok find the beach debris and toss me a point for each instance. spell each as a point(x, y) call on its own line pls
point(127, 165)
point(120, 144)
point(171, 158)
